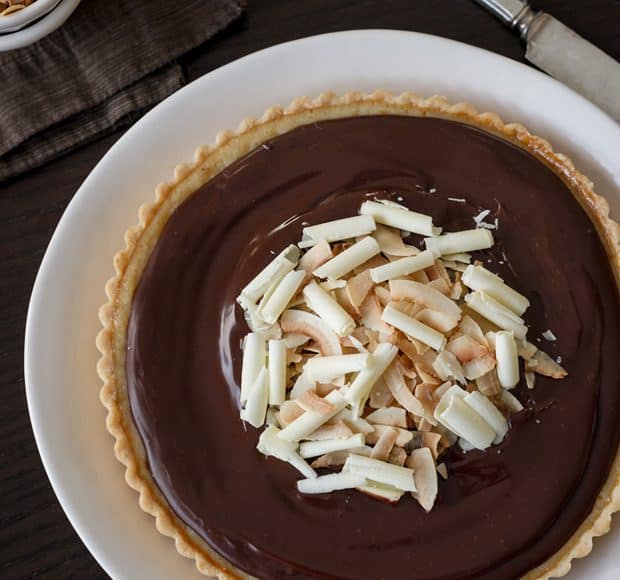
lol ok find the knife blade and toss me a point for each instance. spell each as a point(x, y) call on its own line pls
point(562, 53)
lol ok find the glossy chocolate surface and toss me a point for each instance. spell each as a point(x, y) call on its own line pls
point(501, 512)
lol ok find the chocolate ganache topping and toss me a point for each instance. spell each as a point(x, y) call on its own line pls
point(500, 512)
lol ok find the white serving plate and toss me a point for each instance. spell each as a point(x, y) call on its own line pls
point(22, 33)
point(60, 355)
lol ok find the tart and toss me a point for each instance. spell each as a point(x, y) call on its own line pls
point(172, 331)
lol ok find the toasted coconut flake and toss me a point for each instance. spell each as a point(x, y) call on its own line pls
point(310, 401)
point(327, 368)
point(270, 444)
point(383, 294)
point(358, 287)
point(447, 366)
point(488, 384)
point(507, 359)
point(302, 384)
point(466, 348)
point(289, 411)
point(471, 328)
point(413, 328)
point(283, 263)
point(349, 259)
point(403, 438)
point(384, 444)
point(392, 416)
point(478, 367)
point(337, 458)
point(391, 242)
point(336, 429)
point(328, 309)
point(441, 286)
point(310, 421)
point(442, 470)
point(315, 257)
point(425, 394)
point(300, 322)
point(380, 395)
point(397, 456)
point(425, 476)
point(542, 364)
point(315, 448)
point(401, 393)
point(424, 367)
point(431, 441)
point(424, 294)
point(331, 482)
point(323, 389)
point(370, 312)
point(358, 424)
point(381, 472)
point(336, 230)
point(530, 379)
point(525, 349)
point(399, 218)
point(253, 362)
point(402, 267)
point(458, 242)
point(456, 291)
point(479, 278)
point(462, 257)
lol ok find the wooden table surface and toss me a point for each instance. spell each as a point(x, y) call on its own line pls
point(35, 537)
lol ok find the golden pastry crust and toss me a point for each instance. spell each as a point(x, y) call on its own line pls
point(209, 161)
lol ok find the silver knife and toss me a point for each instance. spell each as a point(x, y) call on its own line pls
point(562, 53)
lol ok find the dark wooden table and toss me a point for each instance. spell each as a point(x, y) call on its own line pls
point(35, 537)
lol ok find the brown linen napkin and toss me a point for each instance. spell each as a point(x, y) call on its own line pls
point(108, 63)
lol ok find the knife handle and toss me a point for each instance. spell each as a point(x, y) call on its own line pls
point(513, 13)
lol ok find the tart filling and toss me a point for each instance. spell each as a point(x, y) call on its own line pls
point(501, 512)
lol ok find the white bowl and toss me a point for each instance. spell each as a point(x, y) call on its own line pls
point(16, 20)
point(22, 35)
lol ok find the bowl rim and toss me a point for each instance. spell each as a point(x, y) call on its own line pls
point(12, 22)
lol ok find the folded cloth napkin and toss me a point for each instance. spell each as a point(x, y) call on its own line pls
point(106, 64)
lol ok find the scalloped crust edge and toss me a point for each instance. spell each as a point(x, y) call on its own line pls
point(208, 161)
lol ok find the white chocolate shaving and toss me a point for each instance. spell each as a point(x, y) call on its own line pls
point(270, 444)
point(302, 384)
point(316, 448)
point(326, 368)
point(496, 313)
point(462, 257)
point(507, 359)
point(337, 230)
point(548, 335)
point(253, 362)
point(383, 492)
point(310, 420)
point(413, 328)
point(460, 418)
point(328, 309)
point(510, 401)
point(283, 263)
point(402, 267)
point(381, 472)
point(362, 384)
point(348, 260)
point(399, 217)
point(331, 482)
point(277, 372)
point(281, 296)
point(258, 397)
point(459, 242)
point(489, 412)
point(479, 278)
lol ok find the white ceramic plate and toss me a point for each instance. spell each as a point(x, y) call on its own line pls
point(33, 32)
point(60, 354)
